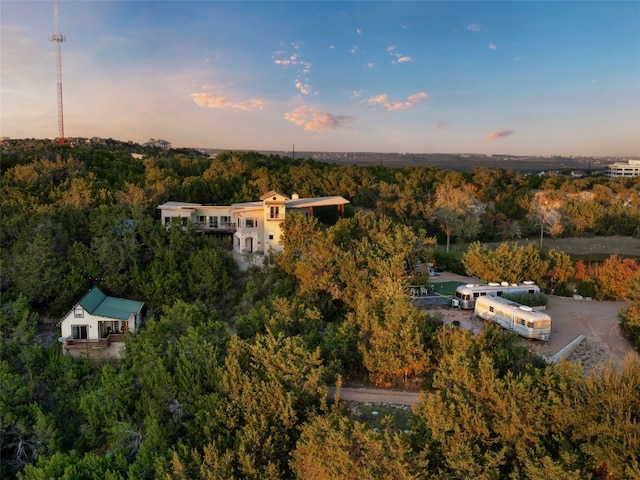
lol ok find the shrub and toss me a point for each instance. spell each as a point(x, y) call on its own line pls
point(531, 299)
point(587, 288)
point(630, 331)
point(449, 261)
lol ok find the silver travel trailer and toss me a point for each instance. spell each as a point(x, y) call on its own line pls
point(466, 295)
point(522, 319)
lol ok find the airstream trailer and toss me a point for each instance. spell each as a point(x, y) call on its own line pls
point(466, 295)
point(521, 319)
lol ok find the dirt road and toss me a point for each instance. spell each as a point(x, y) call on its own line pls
point(377, 395)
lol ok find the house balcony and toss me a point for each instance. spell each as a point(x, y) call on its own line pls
point(111, 347)
point(84, 343)
point(220, 228)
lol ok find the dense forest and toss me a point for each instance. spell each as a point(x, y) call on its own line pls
point(229, 377)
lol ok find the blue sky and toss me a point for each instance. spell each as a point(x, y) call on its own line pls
point(538, 78)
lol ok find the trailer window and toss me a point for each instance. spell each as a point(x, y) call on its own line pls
point(491, 309)
point(521, 321)
point(476, 294)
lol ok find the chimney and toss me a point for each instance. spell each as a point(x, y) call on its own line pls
point(294, 196)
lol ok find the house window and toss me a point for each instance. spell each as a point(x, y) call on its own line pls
point(271, 236)
point(225, 220)
point(79, 332)
point(201, 219)
point(249, 223)
point(78, 312)
point(213, 222)
point(274, 212)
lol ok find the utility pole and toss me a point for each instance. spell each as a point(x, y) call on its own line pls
point(58, 38)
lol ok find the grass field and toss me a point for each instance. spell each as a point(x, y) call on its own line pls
point(586, 248)
point(446, 288)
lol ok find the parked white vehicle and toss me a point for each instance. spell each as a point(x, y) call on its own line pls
point(522, 319)
point(466, 295)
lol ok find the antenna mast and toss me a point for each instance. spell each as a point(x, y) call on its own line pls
point(58, 38)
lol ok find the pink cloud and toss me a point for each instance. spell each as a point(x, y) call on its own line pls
point(392, 105)
point(499, 134)
point(303, 87)
point(404, 59)
point(223, 103)
point(314, 120)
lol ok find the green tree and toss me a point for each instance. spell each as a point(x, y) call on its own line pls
point(391, 330)
point(456, 211)
point(333, 447)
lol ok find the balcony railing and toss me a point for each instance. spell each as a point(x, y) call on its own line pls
point(75, 343)
point(224, 227)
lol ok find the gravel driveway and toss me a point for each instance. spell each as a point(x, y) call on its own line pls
point(570, 318)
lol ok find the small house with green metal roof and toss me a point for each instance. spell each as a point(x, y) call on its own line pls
point(96, 326)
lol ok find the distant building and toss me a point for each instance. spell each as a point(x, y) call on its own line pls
point(621, 169)
point(255, 226)
point(95, 327)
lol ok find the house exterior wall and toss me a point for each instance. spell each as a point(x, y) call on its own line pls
point(96, 353)
point(274, 213)
point(249, 233)
point(96, 327)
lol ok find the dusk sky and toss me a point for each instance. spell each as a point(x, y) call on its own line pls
point(423, 77)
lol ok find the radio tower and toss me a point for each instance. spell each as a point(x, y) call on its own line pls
point(58, 38)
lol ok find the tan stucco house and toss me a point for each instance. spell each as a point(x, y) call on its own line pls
point(255, 226)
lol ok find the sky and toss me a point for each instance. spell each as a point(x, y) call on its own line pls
point(522, 78)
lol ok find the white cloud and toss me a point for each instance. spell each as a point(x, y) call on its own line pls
point(314, 120)
point(492, 46)
point(303, 87)
point(359, 31)
point(389, 105)
point(404, 59)
point(474, 27)
point(221, 102)
point(285, 62)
